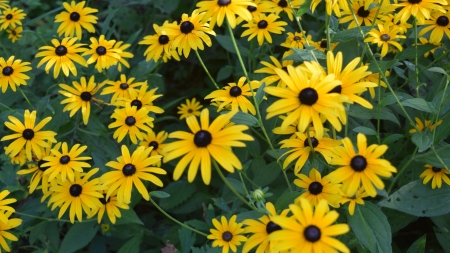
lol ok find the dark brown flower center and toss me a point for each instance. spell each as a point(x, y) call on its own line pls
point(9, 17)
point(75, 190)
point(262, 24)
point(65, 159)
point(436, 170)
point(283, 3)
point(101, 50)
point(312, 233)
point(74, 16)
point(103, 200)
point(442, 21)
point(314, 142)
point(186, 27)
point(130, 121)
point(153, 144)
point(251, 8)
point(202, 138)
point(297, 38)
point(363, 13)
point(13, 32)
point(190, 111)
point(227, 236)
point(385, 37)
point(358, 163)
point(129, 169)
point(414, 1)
point(42, 168)
point(235, 91)
point(323, 44)
point(223, 2)
point(272, 227)
point(7, 71)
point(136, 103)
point(124, 86)
point(315, 188)
point(60, 50)
point(337, 89)
point(86, 96)
point(28, 134)
point(163, 39)
point(308, 96)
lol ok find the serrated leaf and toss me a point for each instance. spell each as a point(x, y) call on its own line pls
point(419, 245)
point(177, 197)
point(159, 194)
point(187, 239)
point(364, 130)
point(244, 119)
point(422, 140)
point(78, 236)
point(132, 245)
point(419, 104)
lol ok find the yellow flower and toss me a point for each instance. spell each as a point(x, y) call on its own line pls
point(438, 24)
point(15, 33)
point(383, 36)
point(20, 158)
point(261, 27)
point(352, 200)
point(4, 202)
point(421, 126)
point(420, 9)
point(227, 234)
point(437, 174)
point(110, 206)
point(283, 6)
point(75, 17)
point(12, 223)
point(122, 88)
point(12, 73)
point(121, 52)
point(11, 18)
point(270, 69)
point(294, 40)
point(157, 142)
point(142, 100)
point(218, 10)
point(159, 44)
point(364, 12)
point(103, 53)
point(192, 107)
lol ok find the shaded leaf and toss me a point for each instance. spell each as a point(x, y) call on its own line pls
point(78, 236)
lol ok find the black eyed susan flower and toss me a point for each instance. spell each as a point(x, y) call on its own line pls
point(20, 158)
point(79, 193)
point(123, 88)
point(142, 100)
point(129, 170)
point(227, 234)
point(76, 17)
point(424, 41)
point(262, 26)
point(192, 107)
point(306, 100)
point(352, 200)
point(130, 120)
point(102, 52)
point(12, 73)
point(63, 164)
point(438, 24)
point(390, 18)
point(363, 167)
point(159, 43)
point(4, 202)
point(157, 142)
point(294, 40)
point(364, 12)
point(300, 149)
point(190, 33)
point(259, 7)
point(420, 9)
point(331, 6)
point(206, 141)
point(424, 125)
point(4, 227)
point(111, 206)
point(4, 4)
point(309, 230)
point(322, 44)
point(384, 36)
point(28, 135)
point(217, 10)
point(236, 96)
point(15, 33)
point(375, 78)
point(318, 188)
point(282, 6)
point(437, 175)
point(11, 18)
point(80, 96)
point(270, 69)
point(62, 55)
point(123, 54)
point(261, 230)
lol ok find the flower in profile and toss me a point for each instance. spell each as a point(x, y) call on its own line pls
point(206, 141)
point(75, 17)
point(309, 230)
point(11, 18)
point(363, 167)
point(20, 158)
point(283, 6)
point(236, 96)
point(102, 52)
point(4, 227)
point(384, 36)
point(4, 202)
point(192, 107)
point(294, 40)
point(122, 88)
point(306, 100)
point(352, 200)
point(78, 193)
point(159, 44)
point(438, 24)
point(318, 188)
point(62, 55)
point(80, 96)
point(261, 230)
point(123, 54)
point(130, 120)
point(157, 142)
point(28, 135)
point(300, 149)
point(63, 164)
point(217, 10)
point(437, 174)
point(190, 33)
point(420, 9)
point(130, 170)
point(261, 27)
point(12, 73)
point(110, 206)
point(227, 234)
point(15, 33)
point(142, 100)
point(424, 125)
point(364, 12)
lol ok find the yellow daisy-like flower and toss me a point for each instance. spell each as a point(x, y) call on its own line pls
point(4, 4)
point(12, 73)
point(121, 52)
point(192, 107)
point(322, 45)
point(331, 6)
point(130, 120)
point(4, 202)
point(424, 41)
point(261, 230)
point(15, 33)
point(421, 126)
point(352, 200)
point(142, 100)
point(28, 135)
point(103, 53)
point(364, 12)
point(375, 78)
point(385, 36)
point(109, 205)
point(270, 69)
point(420, 9)
point(438, 24)
point(157, 142)
point(306, 100)
point(236, 95)
point(75, 17)
point(300, 149)
point(318, 188)
point(20, 158)
point(437, 174)
point(80, 96)
point(206, 140)
point(4, 234)
point(62, 55)
point(309, 230)
point(62, 165)
point(390, 18)
point(261, 27)
point(190, 33)
point(282, 6)
point(294, 40)
point(78, 193)
point(227, 234)
point(159, 44)
point(129, 170)
point(259, 7)
point(363, 167)
point(123, 88)
point(11, 18)
point(217, 10)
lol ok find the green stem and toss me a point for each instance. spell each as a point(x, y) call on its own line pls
point(379, 109)
point(175, 220)
point(26, 98)
point(4, 49)
point(416, 59)
point(439, 158)
point(400, 172)
point(37, 35)
point(327, 31)
point(5, 106)
point(206, 70)
point(439, 109)
point(243, 184)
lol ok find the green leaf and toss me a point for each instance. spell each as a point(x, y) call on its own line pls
point(106, 26)
point(422, 140)
point(176, 196)
point(420, 200)
point(442, 237)
point(364, 113)
point(129, 216)
point(430, 157)
point(34, 20)
point(304, 8)
point(364, 130)
point(220, 203)
point(419, 104)
point(132, 245)
point(397, 219)
point(244, 119)
point(389, 100)
point(236, 184)
point(266, 174)
point(78, 236)
point(384, 65)
point(187, 239)
point(346, 35)
point(167, 6)
point(36, 231)
point(371, 228)
point(419, 245)
point(224, 73)
point(410, 52)
point(260, 93)
point(159, 194)
point(248, 215)
point(198, 224)
point(305, 55)
point(285, 200)
point(437, 70)
point(226, 42)
point(392, 138)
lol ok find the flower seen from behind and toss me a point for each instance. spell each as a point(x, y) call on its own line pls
point(217, 10)
point(227, 234)
point(423, 125)
point(436, 175)
point(123, 54)
point(12, 73)
point(103, 53)
point(270, 69)
point(262, 26)
point(11, 18)
point(192, 107)
point(76, 17)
